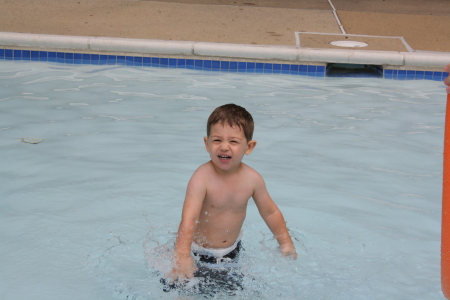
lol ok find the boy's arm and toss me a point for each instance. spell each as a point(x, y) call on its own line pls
point(273, 217)
point(184, 266)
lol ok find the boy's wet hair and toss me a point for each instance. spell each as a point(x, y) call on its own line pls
point(232, 115)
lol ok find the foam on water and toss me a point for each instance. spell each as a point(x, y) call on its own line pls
point(91, 212)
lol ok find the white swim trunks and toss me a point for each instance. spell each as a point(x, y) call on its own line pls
point(215, 252)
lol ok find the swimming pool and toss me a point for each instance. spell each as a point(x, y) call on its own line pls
point(354, 165)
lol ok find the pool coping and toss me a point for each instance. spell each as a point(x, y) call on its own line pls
point(245, 51)
point(389, 60)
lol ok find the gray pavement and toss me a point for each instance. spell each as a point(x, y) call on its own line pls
point(423, 24)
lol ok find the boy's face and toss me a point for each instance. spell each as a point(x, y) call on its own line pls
point(227, 145)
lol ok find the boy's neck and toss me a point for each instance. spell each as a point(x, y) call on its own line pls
point(227, 172)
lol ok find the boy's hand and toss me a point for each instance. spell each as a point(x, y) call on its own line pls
point(288, 250)
point(184, 269)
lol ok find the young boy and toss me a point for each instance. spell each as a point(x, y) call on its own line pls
point(217, 196)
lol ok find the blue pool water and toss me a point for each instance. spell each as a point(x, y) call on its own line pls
point(91, 212)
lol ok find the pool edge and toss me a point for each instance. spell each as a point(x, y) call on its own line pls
point(392, 61)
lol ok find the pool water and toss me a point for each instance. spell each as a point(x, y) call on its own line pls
point(355, 165)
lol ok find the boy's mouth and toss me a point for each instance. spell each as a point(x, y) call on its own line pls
point(224, 157)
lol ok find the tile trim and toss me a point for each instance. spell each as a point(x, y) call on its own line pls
point(199, 64)
point(73, 58)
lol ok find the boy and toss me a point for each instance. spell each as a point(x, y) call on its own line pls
point(217, 195)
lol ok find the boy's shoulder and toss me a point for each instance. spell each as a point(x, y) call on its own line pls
point(248, 170)
point(250, 173)
point(205, 168)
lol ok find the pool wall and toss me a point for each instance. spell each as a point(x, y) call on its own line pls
point(215, 56)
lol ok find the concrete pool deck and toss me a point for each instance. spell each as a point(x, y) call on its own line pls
point(405, 34)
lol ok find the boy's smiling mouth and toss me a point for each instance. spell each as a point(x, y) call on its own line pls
point(224, 157)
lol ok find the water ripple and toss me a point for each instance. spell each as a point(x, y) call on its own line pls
point(54, 78)
point(24, 97)
point(163, 97)
point(116, 118)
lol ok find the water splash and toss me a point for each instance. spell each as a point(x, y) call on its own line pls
point(266, 274)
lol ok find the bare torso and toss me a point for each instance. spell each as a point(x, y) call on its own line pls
point(224, 208)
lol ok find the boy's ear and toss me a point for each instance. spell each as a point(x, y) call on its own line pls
point(250, 146)
point(205, 139)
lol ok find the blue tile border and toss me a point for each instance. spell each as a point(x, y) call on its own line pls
point(200, 64)
point(414, 75)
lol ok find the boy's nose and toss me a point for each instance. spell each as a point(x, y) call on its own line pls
point(224, 146)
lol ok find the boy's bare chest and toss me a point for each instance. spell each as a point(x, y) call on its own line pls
point(228, 195)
